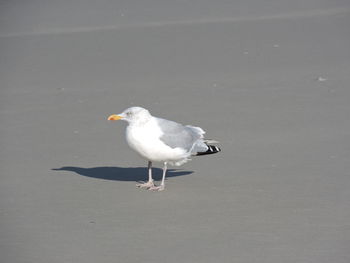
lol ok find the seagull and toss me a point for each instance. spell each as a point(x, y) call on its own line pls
point(160, 140)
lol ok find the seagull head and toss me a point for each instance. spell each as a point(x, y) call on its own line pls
point(132, 115)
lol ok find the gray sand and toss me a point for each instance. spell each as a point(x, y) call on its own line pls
point(269, 79)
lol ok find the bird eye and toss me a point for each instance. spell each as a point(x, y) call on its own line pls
point(128, 114)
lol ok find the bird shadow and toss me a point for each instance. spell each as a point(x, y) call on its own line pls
point(122, 173)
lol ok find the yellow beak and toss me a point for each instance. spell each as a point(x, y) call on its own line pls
point(114, 117)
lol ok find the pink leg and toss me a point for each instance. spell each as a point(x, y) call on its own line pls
point(161, 187)
point(150, 183)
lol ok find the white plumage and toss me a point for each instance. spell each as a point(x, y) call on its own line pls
point(160, 140)
point(144, 138)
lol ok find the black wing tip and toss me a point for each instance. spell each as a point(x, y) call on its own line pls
point(211, 150)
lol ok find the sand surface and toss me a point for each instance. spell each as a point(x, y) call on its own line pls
point(269, 79)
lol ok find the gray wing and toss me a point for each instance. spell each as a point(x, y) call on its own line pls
point(177, 135)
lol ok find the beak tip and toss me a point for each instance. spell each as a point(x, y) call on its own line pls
point(114, 117)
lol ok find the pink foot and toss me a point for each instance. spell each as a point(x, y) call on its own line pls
point(157, 188)
point(147, 185)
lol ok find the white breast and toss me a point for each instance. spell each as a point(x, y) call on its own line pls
point(144, 139)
